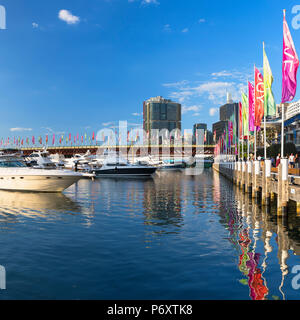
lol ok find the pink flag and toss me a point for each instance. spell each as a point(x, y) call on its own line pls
point(251, 107)
point(290, 64)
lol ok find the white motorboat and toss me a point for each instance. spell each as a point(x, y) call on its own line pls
point(15, 175)
point(40, 160)
point(79, 161)
point(58, 159)
point(117, 166)
point(172, 164)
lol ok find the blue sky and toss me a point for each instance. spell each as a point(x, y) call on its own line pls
point(95, 64)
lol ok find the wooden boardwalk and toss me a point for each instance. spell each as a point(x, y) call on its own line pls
point(259, 181)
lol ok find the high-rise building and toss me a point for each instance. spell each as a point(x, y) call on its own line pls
point(160, 113)
point(228, 112)
point(199, 126)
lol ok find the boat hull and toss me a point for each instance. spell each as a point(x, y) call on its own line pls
point(37, 183)
point(125, 172)
point(174, 167)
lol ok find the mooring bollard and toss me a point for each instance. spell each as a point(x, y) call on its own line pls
point(255, 175)
point(268, 165)
point(249, 176)
point(284, 185)
point(243, 175)
point(239, 166)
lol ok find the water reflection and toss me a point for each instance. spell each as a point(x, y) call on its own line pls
point(262, 224)
point(162, 202)
point(14, 205)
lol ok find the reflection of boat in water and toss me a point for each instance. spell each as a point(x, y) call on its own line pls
point(32, 203)
point(172, 165)
point(204, 161)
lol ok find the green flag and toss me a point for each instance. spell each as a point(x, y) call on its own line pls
point(245, 112)
point(270, 105)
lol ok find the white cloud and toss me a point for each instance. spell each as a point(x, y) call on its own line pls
point(68, 17)
point(201, 20)
point(185, 30)
point(167, 28)
point(35, 25)
point(147, 2)
point(107, 124)
point(176, 84)
point(20, 129)
point(136, 114)
point(194, 108)
point(213, 111)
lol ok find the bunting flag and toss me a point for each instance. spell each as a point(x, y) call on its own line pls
point(251, 107)
point(245, 115)
point(53, 139)
point(290, 64)
point(270, 106)
point(46, 138)
point(259, 98)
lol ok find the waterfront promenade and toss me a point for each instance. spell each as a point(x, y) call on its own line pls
point(260, 181)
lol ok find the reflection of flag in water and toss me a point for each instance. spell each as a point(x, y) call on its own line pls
point(248, 262)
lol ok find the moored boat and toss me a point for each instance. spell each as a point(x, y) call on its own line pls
point(15, 175)
point(116, 166)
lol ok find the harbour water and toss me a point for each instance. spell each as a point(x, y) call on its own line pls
point(171, 237)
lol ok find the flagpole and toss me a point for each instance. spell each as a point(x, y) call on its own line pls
point(282, 131)
point(265, 134)
point(254, 116)
point(248, 140)
point(242, 136)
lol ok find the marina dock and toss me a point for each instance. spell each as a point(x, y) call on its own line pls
point(262, 182)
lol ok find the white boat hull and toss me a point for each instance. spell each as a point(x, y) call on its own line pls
point(37, 180)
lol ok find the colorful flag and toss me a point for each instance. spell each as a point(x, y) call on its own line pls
point(240, 119)
point(270, 106)
point(290, 64)
point(245, 114)
point(53, 139)
point(251, 106)
point(259, 98)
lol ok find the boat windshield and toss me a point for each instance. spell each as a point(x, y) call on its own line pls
point(12, 164)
